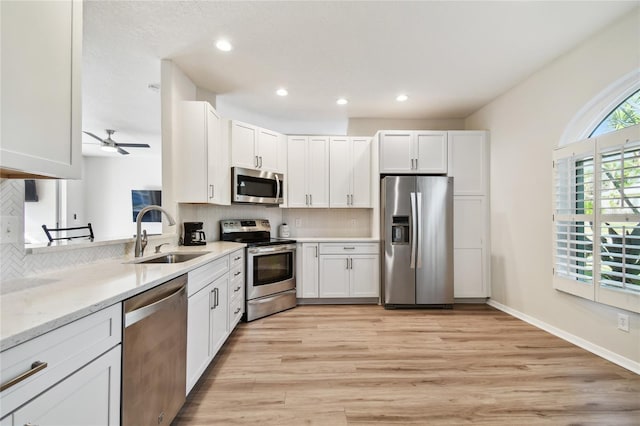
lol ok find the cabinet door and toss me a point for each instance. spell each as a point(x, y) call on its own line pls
point(217, 167)
point(365, 276)
point(90, 396)
point(334, 276)
point(268, 150)
point(219, 309)
point(340, 171)
point(41, 89)
point(361, 166)
point(317, 171)
point(468, 222)
point(468, 162)
point(309, 281)
point(243, 145)
point(296, 171)
point(431, 152)
point(468, 278)
point(396, 152)
point(198, 335)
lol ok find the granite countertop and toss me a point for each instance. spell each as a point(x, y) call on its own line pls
point(336, 239)
point(50, 300)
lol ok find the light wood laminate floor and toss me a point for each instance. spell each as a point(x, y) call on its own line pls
point(354, 365)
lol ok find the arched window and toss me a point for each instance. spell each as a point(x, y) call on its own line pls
point(624, 115)
point(596, 208)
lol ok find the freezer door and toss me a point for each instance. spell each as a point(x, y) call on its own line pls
point(434, 268)
point(398, 276)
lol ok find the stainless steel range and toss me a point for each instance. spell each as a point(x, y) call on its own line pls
point(271, 275)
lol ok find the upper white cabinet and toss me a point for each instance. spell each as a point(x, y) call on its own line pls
point(254, 147)
point(41, 108)
point(350, 172)
point(421, 151)
point(202, 172)
point(468, 162)
point(308, 171)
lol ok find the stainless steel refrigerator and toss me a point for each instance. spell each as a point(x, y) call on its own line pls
point(417, 232)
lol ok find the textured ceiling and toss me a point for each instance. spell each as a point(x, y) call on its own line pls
point(451, 58)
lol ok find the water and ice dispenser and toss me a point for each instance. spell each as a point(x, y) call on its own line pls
point(400, 230)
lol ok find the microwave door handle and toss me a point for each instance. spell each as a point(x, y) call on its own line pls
point(277, 187)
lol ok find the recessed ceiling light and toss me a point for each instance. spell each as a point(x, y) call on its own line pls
point(342, 101)
point(401, 98)
point(224, 45)
point(282, 92)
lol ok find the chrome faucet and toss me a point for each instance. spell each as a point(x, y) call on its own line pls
point(141, 240)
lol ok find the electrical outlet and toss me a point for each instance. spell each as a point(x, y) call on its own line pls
point(354, 223)
point(623, 322)
point(9, 229)
point(298, 223)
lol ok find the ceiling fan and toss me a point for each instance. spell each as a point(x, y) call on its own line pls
point(110, 145)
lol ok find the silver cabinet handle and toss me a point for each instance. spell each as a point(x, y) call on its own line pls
point(237, 273)
point(211, 191)
point(35, 367)
point(236, 311)
point(350, 263)
point(237, 258)
point(310, 199)
point(235, 290)
point(260, 162)
point(416, 164)
point(256, 161)
point(212, 295)
point(316, 247)
point(347, 259)
point(133, 317)
point(217, 295)
point(306, 199)
point(348, 248)
point(347, 199)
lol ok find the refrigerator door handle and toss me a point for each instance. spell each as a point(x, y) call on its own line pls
point(414, 230)
point(418, 231)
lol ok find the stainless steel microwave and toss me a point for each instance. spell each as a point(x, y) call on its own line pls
point(256, 186)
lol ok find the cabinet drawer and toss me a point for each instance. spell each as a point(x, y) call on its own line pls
point(200, 277)
point(236, 288)
point(236, 258)
point(236, 309)
point(64, 350)
point(347, 248)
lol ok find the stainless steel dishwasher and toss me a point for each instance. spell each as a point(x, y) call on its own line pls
point(154, 354)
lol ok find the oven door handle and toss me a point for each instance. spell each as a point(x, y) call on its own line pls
point(265, 250)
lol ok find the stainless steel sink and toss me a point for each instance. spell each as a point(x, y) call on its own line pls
point(176, 257)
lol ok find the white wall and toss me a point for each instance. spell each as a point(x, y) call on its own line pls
point(369, 126)
point(108, 183)
point(526, 124)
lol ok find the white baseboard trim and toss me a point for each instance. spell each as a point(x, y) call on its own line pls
point(578, 341)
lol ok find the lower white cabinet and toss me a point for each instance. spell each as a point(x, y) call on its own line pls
point(307, 282)
point(215, 306)
point(90, 396)
point(338, 270)
point(471, 271)
point(77, 374)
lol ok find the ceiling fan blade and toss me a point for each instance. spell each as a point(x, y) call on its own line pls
point(134, 145)
point(93, 136)
point(122, 151)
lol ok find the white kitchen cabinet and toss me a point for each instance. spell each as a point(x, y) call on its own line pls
point(308, 171)
point(469, 247)
point(468, 162)
point(349, 270)
point(235, 292)
point(78, 377)
point(416, 151)
point(253, 147)
point(350, 172)
point(41, 89)
point(90, 396)
point(202, 171)
point(208, 320)
point(308, 272)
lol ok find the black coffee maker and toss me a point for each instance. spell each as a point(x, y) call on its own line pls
point(193, 235)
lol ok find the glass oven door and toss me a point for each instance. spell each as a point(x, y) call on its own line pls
point(271, 270)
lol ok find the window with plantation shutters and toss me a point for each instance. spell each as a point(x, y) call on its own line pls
point(596, 218)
